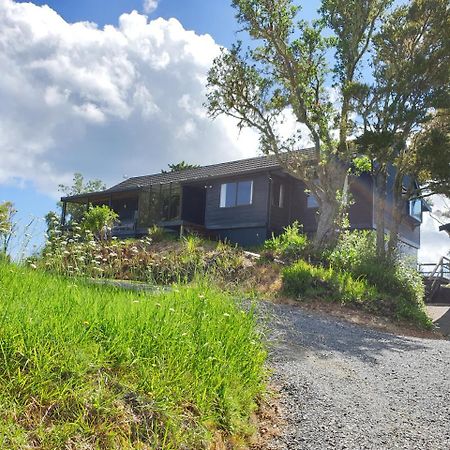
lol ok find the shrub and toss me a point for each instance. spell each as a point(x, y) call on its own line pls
point(289, 245)
point(157, 234)
point(99, 220)
point(353, 249)
point(400, 286)
point(305, 280)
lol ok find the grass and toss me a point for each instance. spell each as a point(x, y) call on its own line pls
point(304, 280)
point(94, 367)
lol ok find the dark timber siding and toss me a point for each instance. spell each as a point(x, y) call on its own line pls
point(361, 211)
point(248, 216)
point(280, 217)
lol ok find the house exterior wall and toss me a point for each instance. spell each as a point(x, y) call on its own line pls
point(237, 217)
point(409, 228)
point(280, 217)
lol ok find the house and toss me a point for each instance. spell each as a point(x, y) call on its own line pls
point(242, 201)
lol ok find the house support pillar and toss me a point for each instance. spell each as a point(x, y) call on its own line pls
point(63, 214)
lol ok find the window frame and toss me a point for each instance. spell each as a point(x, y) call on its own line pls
point(223, 194)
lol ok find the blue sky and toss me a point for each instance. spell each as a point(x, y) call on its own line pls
point(122, 99)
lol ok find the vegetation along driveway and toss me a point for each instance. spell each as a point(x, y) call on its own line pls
point(348, 387)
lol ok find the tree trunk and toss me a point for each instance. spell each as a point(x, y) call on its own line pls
point(326, 233)
point(398, 213)
point(332, 199)
point(380, 211)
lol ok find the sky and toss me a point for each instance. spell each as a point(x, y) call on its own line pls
point(112, 89)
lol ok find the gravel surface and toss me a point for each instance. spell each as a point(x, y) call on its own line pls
point(348, 387)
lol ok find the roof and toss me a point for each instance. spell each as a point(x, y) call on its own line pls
point(445, 227)
point(239, 167)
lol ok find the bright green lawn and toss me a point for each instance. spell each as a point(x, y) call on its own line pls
point(92, 367)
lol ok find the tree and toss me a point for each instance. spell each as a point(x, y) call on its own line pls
point(403, 125)
point(287, 73)
point(79, 186)
point(7, 213)
point(178, 167)
point(432, 151)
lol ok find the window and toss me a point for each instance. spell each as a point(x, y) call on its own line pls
point(236, 194)
point(278, 194)
point(311, 201)
point(281, 197)
point(415, 209)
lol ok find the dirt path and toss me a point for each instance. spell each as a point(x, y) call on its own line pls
point(348, 387)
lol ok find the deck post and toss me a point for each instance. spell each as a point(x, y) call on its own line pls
point(63, 214)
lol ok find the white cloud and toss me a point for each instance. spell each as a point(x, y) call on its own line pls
point(150, 6)
point(434, 243)
point(104, 102)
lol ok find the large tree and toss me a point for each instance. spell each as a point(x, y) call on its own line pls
point(79, 186)
point(405, 123)
point(286, 73)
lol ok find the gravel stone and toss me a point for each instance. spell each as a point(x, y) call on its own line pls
point(344, 386)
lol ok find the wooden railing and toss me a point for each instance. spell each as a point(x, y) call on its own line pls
point(437, 275)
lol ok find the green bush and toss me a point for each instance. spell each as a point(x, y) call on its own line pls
point(99, 220)
point(302, 279)
point(89, 366)
point(157, 234)
point(400, 285)
point(353, 249)
point(289, 245)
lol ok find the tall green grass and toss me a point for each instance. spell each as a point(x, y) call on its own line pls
point(93, 367)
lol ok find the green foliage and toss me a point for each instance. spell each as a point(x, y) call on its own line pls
point(289, 245)
point(99, 367)
point(352, 250)
point(99, 220)
point(432, 148)
point(7, 212)
point(401, 108)
point(306, 280)
point(157, 234)
point(79, 186)
point(147, 260)
point(286, 69)
point(178, 167)
point(400, 285)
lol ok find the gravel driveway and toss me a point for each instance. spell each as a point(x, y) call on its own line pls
point(347, 387)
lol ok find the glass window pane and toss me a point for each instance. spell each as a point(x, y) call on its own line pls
point(281, 197)
point(228, 195)
point(415, 209)
point(223, 195)
point(230, 199)
point(245, 192)
point(312, 201)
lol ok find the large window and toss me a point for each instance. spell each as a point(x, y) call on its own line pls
point(236, 194)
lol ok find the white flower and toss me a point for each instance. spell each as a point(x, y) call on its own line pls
point(33, 266)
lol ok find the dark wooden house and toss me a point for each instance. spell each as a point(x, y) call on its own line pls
point(242, 201)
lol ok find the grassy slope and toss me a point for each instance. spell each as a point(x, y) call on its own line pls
point(93, 367)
